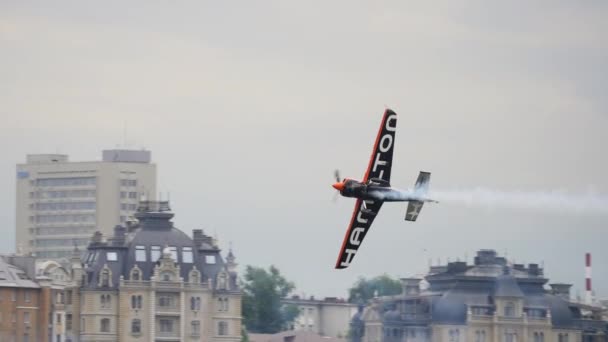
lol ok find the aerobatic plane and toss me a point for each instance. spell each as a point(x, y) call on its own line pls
point(375, 189)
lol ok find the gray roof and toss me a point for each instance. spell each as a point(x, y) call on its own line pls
point(457, 287)
point(506, 286)
point(12, 276)
point(154, 229)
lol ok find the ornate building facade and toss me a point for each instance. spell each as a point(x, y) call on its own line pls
point(489, 301)
point(151, 282)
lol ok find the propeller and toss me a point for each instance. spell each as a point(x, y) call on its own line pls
point(338, 180)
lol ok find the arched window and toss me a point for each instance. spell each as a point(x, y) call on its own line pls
point(105, 325)
point(195, 276)
point(222, 328)
point(105, 279)
point(136, 326)
point(222, 281)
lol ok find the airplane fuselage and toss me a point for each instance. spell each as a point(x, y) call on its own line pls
point(380, 192)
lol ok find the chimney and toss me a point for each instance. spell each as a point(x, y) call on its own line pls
point(588, 293)
point(561, 290)
point(197, 236)
point(119, 236)
point(410, 286)
point(97, 238)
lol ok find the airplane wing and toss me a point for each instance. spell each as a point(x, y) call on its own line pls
point(361, 221)
point(381, 161)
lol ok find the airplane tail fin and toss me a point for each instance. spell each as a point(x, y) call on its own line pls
point(421, 188)
point(422, 183)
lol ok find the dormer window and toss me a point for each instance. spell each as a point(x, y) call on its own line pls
point(105, 277)
point(154, 253)
point(166, 276)
point(194, 276)
point(112, 256)
point(140, 253)
point(222, 281)
point(210, 259)
point(509, 309)
point(187, 255)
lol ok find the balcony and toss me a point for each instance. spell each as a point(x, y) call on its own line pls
point(167, 336)
point(167, 310)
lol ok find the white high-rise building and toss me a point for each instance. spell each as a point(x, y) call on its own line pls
point(60, 203)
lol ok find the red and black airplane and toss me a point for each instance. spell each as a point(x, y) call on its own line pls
point(375, 189)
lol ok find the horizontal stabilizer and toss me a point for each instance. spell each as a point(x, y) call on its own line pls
point(413, 209)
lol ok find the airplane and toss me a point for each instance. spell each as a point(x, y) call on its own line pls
point(375, 189)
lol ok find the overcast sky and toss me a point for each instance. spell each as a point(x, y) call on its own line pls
point(248, 107)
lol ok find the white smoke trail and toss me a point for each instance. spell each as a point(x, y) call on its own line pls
point(578, 203)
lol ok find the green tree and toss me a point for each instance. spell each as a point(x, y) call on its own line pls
point(262, 294)
point(364, 289)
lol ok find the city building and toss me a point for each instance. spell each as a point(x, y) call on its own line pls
point(488, 301)
point(60, 203)
point(31, 299)
point(149, 281)
point(328, 317)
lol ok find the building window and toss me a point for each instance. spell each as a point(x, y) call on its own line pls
point(58, 338)
point(14, 295)
point(136, 326)
point(83, 325)
point(210, 259)
point(154, 253)
point(195, 328)
point(105, 278)
point(480, 336)
point(509, 309)
point(187, 255)
point(112, 256)
point(135, 275)
point(26, 296)
point(123, 194)
point(140, 253)
point(105, 301)
point(195, 303)
point(454, 335)
point(26, 317)
point(166, 325)
point(136, 302)
point(59, 318)
point(26, 338)
point(68, 322)
point(166, 301)
point(132, 194)
point(105, 325)
point(222, 328)
point(510, 336)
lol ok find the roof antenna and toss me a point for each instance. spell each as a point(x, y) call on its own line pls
point(124, 134)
